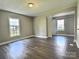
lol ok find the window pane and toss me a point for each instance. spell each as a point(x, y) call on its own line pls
point(14, 21)
point(60, 25)
point(14, 27)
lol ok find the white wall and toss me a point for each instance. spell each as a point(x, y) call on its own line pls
point(51, 26)
point(44, 26)
point(77, 23)
point(40, 26)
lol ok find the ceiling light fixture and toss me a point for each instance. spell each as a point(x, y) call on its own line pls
point(30, 5)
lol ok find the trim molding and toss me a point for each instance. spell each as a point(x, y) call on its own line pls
point(14, 40)
point(77, 44)
point(41, 36)
point(65, 34)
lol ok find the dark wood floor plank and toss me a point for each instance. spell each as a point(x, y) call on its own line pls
point(57, 47)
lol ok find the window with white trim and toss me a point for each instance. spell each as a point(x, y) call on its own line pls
point(60, 25)
point(14, 27)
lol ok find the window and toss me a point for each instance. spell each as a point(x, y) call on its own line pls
point(14, 27)
point(60, 25)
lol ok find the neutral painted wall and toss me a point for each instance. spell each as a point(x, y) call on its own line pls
point(40, 26)
point(0, 26)
point(68, 24)
point(25, 25)
point(48, 29)
point(75, 22)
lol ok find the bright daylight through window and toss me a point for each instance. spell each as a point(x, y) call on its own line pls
point(60, 25)
point(14, 27)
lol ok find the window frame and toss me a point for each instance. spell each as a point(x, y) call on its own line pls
point(17, 34)
point(57, 25)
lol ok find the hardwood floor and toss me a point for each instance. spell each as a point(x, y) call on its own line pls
point(56, 47)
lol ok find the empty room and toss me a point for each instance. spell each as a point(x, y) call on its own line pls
point(39, 29)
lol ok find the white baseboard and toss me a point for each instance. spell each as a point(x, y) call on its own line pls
point(65, 34)
point(49, 35)
point(3, 43)
point(41, 36)
point(77, 44)
point(28, 37)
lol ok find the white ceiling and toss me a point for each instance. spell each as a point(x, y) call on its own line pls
point(20, 6)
